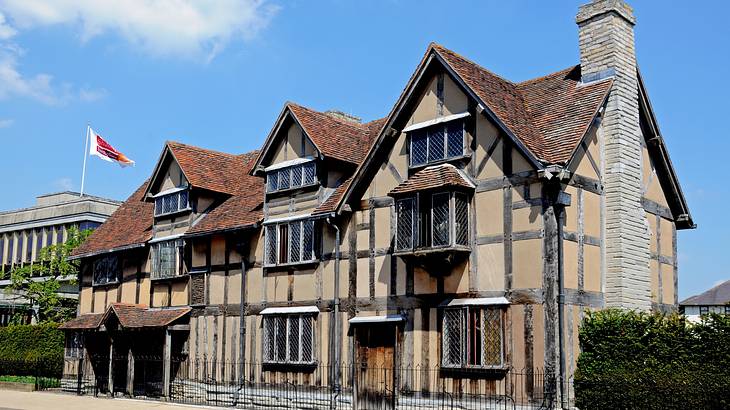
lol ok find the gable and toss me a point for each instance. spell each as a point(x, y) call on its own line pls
point(291, 143)
point(168, 175)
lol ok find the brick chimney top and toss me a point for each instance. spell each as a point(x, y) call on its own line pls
point(343, 116)
point(600, 7)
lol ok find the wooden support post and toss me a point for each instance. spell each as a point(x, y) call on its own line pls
point(110, 379)
point(167, 354)
point(130, 373)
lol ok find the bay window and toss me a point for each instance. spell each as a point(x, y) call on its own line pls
point(288, 339)
point(432, 220)
point(290, 242)
point(436, 143)
point(294, 176)
point(472, 336)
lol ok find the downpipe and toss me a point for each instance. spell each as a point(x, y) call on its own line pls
point(336, 318)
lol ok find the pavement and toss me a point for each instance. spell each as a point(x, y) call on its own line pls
point(16, 400)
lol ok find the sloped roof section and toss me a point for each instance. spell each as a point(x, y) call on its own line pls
point(86, 321)
point(130, 225)
point(207, 169)
point(718, 295)
point(549, 115)
point(138, 316)
point(439, 176)
point(243, 208)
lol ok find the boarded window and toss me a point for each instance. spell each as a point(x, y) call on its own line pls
point(472, 337)
point(288, 339)
point(197, 289)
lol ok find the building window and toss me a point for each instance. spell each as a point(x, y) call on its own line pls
point(290, 242)
point(167, 259)
point(38, 242)
point(10, 255)
point(59, 234)
point(437, 143)
point(704, 310)
point(440, 220)
point(88, 225)
point(19, 248)
point(2, 251)
point(288, 339)
point(295, 176)
point(106, 270)
point(472, 337)
point(171, 203)
point(74, 345)
point(28, 246)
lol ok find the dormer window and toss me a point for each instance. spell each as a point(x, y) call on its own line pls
point(291, 175)
point(172, 201)
point(435, 142)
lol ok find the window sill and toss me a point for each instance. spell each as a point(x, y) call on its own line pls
point(286, 266)
point(459, 159)
point(291, 190)
point(433, 250)
point(175, 213)
point(101, 285)
point(162, 279)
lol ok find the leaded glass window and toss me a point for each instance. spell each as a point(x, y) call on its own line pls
point(290, 242)
point(167, 259)
point(294, 176)
point(172, 202)
point(437, 143)
point(405, 226)
point(472, 337)
point(288, 339)
point(441, 220)
point(106, 270)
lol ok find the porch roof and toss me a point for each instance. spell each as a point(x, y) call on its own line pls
point(86, 321)
point(433, 177)
point(130, 316)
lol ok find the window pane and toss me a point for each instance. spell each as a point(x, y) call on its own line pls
point(183, 199)
point(28, 245)
point(455, 132)
point(307, 338)
point(295, 241)
point(283, 243)
point(271, 247)
point(294, 338)
point(452, 332)
point(59, 234)
point(404, 214)
point(436, 143)
point(492, 337)
point(2, 250)
point(158, 206)
point(280, 348)
point(272, 179)
point(296, 176)
point(106, 270)
point(269, 341)
point(440, 219)
point(418, 147)
point(474, 337)
point(308, 240)
point(309, 173)
point(284, 178)
point(38, 243)
point(461, 219)
point(9, 257)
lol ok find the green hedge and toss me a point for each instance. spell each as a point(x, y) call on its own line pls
point(35, 350)
point(633, 360)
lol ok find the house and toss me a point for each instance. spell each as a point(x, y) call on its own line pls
point(714, 300)
point(24, 232)
point(466, 232)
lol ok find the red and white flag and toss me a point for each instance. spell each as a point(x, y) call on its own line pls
point(102, 149)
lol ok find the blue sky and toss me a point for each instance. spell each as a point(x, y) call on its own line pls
point(216, 74)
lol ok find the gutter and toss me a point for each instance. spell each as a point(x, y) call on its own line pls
point(104, 251)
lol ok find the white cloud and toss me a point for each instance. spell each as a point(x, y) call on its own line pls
point(13, 83)
point(91, 95)
point(5, 123)
point(63, 184)
point(6, 31)
point(190, 28)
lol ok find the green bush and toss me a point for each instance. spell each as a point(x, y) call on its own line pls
point(33, 350)
point(633, 360)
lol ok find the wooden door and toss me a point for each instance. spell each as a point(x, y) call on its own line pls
point(375, 370)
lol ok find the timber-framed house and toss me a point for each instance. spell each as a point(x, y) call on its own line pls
point(467, 231)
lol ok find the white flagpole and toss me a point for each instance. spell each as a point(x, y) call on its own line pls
point(86, 154)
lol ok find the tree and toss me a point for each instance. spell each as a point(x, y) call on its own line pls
point(40, 281)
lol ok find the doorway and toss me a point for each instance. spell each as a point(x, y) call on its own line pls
point(375, 349)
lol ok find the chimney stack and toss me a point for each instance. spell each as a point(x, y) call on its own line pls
point(343, 116)
point(606, 37)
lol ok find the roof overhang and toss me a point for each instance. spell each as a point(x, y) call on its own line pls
point(106, 251)
point(289, 310)
point(494, 301)
point(376, 319)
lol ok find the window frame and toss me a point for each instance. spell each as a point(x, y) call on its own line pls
point(178, 192)
point(464, 336)
point(279, 249)
point(706, 310)
point(427, 130)
point(417, 221)
point(178, 245)
point(269, 323)
point(74, 346)
point(116, 275)
point(290, 169)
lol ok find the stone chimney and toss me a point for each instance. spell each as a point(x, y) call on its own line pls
point(343, 116)
point(606, 34)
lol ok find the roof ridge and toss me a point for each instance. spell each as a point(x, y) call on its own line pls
point(333, 118)
point(214, 151)
point(481, 67)
point(546, 76)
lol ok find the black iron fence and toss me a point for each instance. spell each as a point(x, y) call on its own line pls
point(313, 386)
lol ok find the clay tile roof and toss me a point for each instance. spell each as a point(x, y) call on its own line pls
point(718, 295)
point(207, 169)
point(243, 208)
point(438, 176)
point(335, 138)
point(549, 115)
point(129, 225)
point(331, 203)
point(86, 321)
point(137, 316)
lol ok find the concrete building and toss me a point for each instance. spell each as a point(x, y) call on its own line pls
point(466, 233)
point(24, 232)
point(714, 300)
